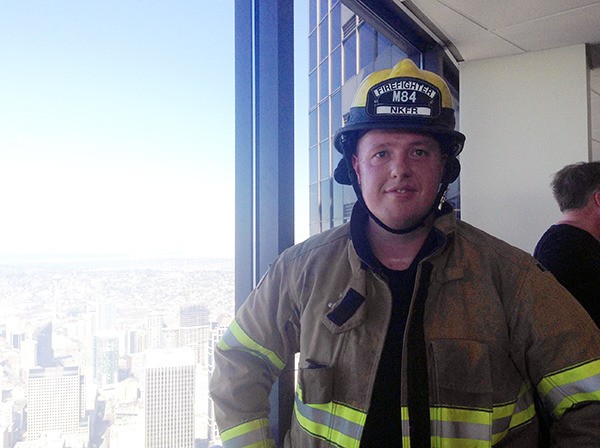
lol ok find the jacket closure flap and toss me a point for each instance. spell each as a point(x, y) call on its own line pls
point(347, 313)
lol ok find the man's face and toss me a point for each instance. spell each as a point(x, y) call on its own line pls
point(399, 174)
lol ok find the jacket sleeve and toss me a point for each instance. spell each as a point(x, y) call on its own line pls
point(558, 345)
point(248, 359)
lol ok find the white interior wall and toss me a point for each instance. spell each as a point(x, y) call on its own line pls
point(525, 117)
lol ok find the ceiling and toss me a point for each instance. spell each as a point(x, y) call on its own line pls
point(480, 29)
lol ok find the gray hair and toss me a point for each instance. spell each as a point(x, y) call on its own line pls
point(573, 185)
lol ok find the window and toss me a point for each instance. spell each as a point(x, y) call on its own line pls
point(117, 143)
point(350, 57)
point(368, 44)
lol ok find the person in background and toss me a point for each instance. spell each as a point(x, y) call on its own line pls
point(412, 328)
point(570, 249)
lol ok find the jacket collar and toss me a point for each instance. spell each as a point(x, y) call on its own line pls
point(444, 225)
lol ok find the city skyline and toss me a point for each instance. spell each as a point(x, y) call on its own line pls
point(71, 316)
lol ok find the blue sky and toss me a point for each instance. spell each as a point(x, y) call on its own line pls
point(117, 128)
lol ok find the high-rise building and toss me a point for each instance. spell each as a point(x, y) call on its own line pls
point(194, 331)
point(45, 352)
point(193, 316)
point(155, 322)
point(105, 316)
point(217, 330)
point(106, 359)
point(169, 398)
point(56, 401)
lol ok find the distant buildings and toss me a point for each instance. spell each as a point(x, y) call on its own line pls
point(106, 359)
point(169, 398)
point(56, 402)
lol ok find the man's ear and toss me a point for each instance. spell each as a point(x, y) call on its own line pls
point(596, 197)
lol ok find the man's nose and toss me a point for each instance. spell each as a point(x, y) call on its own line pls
point(400, 166)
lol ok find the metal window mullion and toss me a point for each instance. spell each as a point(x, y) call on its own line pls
point(264, 157)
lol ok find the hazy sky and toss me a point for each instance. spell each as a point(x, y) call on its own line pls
point(117, 128)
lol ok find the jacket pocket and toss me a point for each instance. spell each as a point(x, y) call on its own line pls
point(316, 384)
point(461, 392)
point(461, 373)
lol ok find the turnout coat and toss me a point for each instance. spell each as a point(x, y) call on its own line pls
point(493, 346)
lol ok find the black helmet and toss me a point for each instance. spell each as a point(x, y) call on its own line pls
point(403, 98)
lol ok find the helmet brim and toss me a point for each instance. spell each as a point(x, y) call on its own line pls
point(450, 141)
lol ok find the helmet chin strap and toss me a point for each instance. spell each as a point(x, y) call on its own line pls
point(379, 222)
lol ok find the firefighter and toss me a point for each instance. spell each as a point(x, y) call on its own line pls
point(412, 328)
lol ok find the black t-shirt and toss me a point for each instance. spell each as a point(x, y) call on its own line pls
point(573, 256)
point(384, 419)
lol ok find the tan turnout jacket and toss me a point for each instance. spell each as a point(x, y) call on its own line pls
point(496, 331)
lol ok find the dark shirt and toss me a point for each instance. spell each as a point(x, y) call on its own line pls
point(382, 427)
point(573, 256)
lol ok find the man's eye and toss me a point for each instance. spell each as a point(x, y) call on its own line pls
point(381, 154)
point(420, 152)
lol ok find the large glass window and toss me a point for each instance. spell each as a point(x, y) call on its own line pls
point(324, 39)
point(323, 80)
point(336, 69)
point(313, 127)
point(336, 25)
point(313, 52)
point(383, 43)
point(326, 196)
point(117, 139)
point(314, 164)
point(312, 14)
point(323, 8)
point(368, 44)
point(315, 215)
point(313, 88)
point(336, 111)
point(325, 155)
point(324, 120)
point(350, 57)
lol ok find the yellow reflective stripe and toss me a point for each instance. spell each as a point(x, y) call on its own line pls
point(441, 442)
point(460, 415)
point(339, 409)
point(253, 434)
point(570, 375)
point(405, 423)
point(334, 422)
point(516, 419)
point(572, 400)
point(511, 415)
point(325, 432)
point(236, 338)
point(567, 388)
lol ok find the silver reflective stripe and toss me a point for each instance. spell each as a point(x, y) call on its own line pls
point(230, 341)
point(559, 392)
point(523, 404)
point(320, 420)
